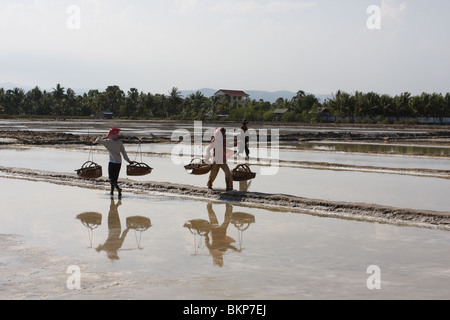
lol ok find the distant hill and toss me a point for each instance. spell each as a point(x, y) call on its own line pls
point(270, 96)
point(12, 86)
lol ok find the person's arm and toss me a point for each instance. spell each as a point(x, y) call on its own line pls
point(101, 140)
point(208, 152)
point(125, 155)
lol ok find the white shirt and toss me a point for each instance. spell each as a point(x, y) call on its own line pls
point(115, 148)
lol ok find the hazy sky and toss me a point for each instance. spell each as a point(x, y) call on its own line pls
point(318, 46)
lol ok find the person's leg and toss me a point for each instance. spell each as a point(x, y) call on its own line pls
point(228, 176)
point(110, 175)
point(212, 215)
point(213, 175)
point(114, 170)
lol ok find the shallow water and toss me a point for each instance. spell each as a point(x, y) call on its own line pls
point(341, 157)
point(280, 255)
point(378, 148)
point(402, 191)
point(147, 127)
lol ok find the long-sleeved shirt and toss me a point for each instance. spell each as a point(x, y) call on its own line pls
point(116, 149)
point(219, 146)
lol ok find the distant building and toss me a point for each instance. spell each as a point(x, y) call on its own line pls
point(237, 96)
point(279, 113)
point(104, 115)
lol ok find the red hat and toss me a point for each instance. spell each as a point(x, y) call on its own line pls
point(113, 133)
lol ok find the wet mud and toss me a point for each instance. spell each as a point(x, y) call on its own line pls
point(275, 202)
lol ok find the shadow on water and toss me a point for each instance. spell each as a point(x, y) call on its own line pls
point(113, 243)
point(212, 235)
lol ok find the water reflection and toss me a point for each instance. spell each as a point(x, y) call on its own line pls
point(138, 224)
point(242, 222)
point(378, 148)
point(116, 238)
point(244, 185)
point(214, 236)
point(91, 220)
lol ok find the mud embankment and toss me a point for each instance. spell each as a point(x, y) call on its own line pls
point(25, 137)
point(275, 202)
point(36, 138)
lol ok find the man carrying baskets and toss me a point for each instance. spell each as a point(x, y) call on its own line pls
point(220, 152)
point(116, 151)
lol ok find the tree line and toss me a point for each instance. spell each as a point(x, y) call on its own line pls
point(135, 104)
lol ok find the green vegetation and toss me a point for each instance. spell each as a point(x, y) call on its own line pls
point(357, 107)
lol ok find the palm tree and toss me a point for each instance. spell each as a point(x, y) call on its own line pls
point(446, 112)
point(131, 104)
point(16, 99)
point(115, 98)
point(162, 105)
point(70, 103)
point(401, 104)
point(175, 100)
point(34, 101)
point(193, 105)
point(386, 105)
point(58, 97)
point(343, 102)
point(146, 105)
point(2, 100)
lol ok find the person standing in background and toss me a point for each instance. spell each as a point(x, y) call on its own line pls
point(116, 151)
point(244, 140)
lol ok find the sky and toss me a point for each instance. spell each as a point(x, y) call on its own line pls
point(318, 46)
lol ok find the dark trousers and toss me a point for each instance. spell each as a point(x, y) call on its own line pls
point(113, 172)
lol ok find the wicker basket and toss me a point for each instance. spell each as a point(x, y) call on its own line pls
point(138, 223)
point(242, 220)
point(138, 169)
point(199, 226)
point(198, 167)
point(90, 219)
point(243, 173)
point(90, 170)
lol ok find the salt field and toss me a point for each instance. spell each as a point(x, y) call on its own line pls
point(151, 245)
point(278, 255)
point(404, 191)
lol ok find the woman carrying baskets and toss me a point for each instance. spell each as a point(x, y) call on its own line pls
point(219, 148)
point(116, 151)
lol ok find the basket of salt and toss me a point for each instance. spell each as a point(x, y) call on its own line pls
point(243, 173)
point(90, 170)
point(138, 169)
point(198, 167)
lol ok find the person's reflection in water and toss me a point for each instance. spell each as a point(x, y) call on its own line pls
point(244, 185)
point(220, 242)
point(115, 240)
